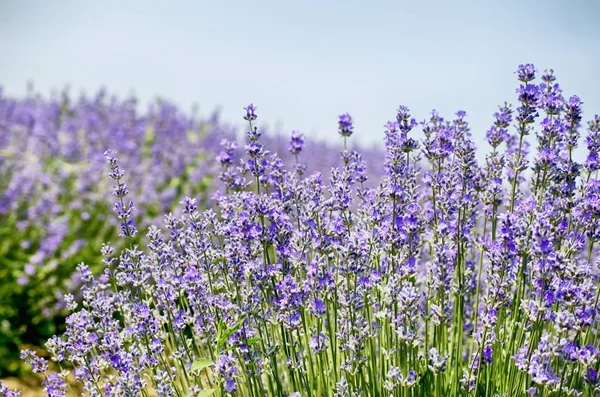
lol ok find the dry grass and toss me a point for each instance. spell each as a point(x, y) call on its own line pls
point(29, 387)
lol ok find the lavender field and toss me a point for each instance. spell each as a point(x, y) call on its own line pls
point(159, 253)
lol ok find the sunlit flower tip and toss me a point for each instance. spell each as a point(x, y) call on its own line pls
point(402, 113)
point(250, 112)
point(548, 76)
point(575, 101)
point(526, 72)
point(224, 158)
point(318, 343)
point(345, 125)
point(391, 127)
point(110, 157)
point(189, 205)
point(296, 142)
point(573, 105)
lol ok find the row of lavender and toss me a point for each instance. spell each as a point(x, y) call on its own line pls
point(451, 279)
point(55, 205)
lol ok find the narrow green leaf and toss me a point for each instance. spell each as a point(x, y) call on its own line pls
point(227, 349)
point(228, 332)
point(199, 365)
point(206, 392)
point(250, 342)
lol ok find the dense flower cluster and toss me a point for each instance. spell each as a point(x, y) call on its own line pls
point(53, 195)
point(455, 279)
point(54, 210)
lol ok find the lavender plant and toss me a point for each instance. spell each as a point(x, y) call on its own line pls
point(53, 199)
point(459, 280)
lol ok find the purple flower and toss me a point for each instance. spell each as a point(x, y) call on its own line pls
point(318, 307)
point(345, 125)
point(55, 386)
point(498, 133)
point(6, 392)
point(225, 367)
point(437, 362)
point(40, 366)
point(318, 343)
point(250, 115)
point(526, 72)
point(592, 141)
point(591, 376)
point(296, 143)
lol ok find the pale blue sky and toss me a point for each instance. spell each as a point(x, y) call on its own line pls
point(303, 63)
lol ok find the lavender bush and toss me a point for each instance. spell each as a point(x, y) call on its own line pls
point(53, 199)
point(54, 211)
point(459, 280)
